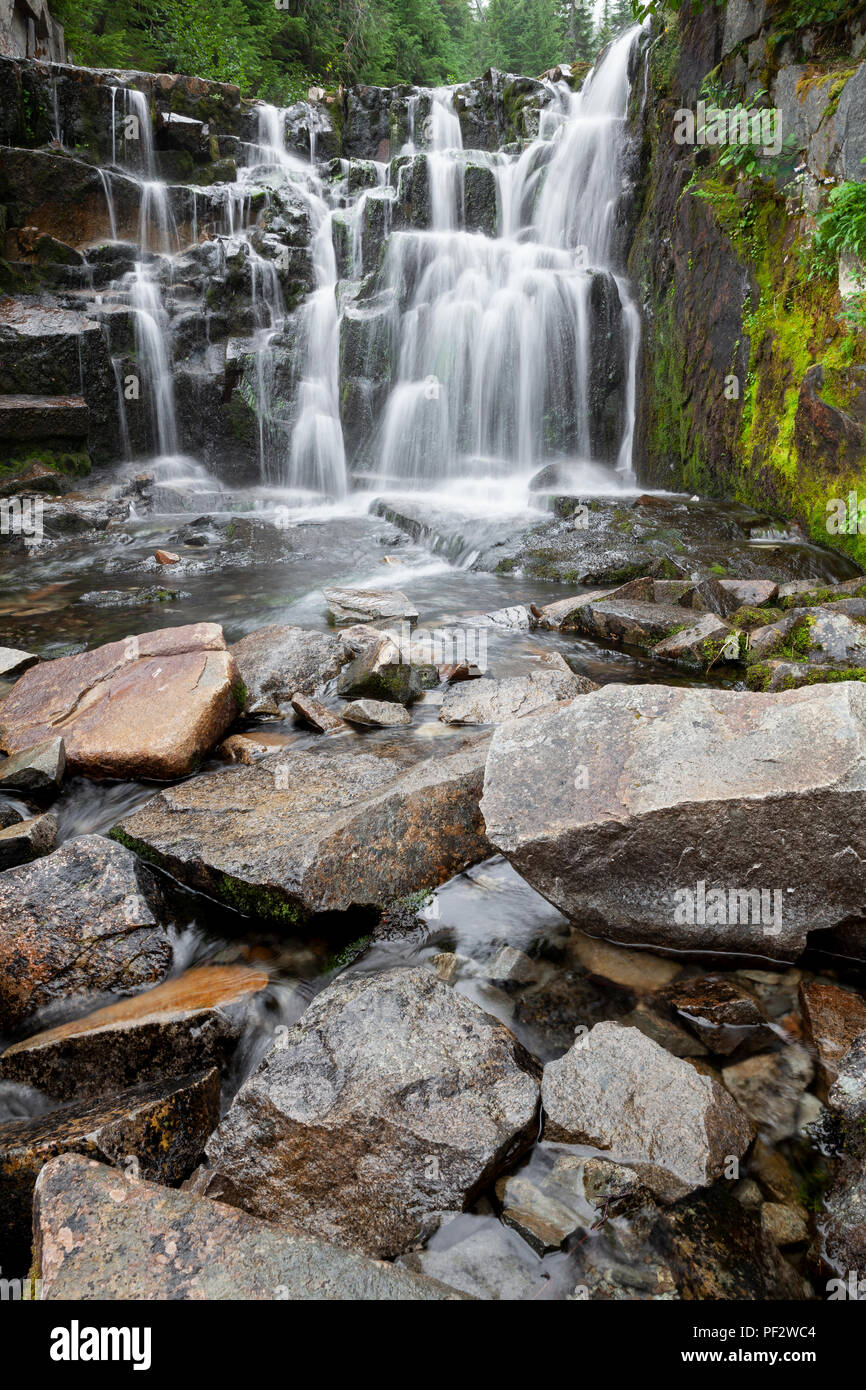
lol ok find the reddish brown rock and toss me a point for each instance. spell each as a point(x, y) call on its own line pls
point(833, 1018)
point(149, 706)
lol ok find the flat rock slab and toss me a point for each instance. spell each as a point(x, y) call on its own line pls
point(621, 1092)
point(276, 663)
point(191, 1021)
point(314, 831)
point(79, 921)
point(156, 1131)
point(26, 840)
point(99, 1236)
point(392, 1099)
point(635, 623)
point(493, 701)
point(43, 417)
point(149, 706)
point(13, 661)
point(364, 605)
point(689, 818)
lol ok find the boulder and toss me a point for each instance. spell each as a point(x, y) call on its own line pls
point(102, 1236)
point(377, 714)
point(833, 1018)
point(489, 701)
point(847, 1096)
point(149, 706)
point(156, 1131)
point(189, 1022)
point(79, 921)
point(26, 840)
point(751, 593)
point(365, 605)
point(314, 830)
point(630, 621)
point(392, 1099)
point(36, 772)
point(560, 614)
point(275, 663)
point(699, 818)
point(619, 1091)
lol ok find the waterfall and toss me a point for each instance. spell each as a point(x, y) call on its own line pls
point(472, 306)
point(504, 344)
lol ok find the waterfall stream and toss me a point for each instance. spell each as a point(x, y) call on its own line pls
point(467, 316)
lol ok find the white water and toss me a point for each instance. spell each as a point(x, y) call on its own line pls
point(492, 338)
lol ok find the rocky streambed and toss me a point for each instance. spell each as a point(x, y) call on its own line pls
point(370, 896)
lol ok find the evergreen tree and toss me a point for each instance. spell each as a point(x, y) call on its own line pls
point(578, 43)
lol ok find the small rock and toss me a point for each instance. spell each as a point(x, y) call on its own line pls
point(377, 714)
point(718, 1011)
point(317, 715)
point(833, 1017)
point(751, 593)
point(639, 971)
point(537, 1211)
point(37, 772)
point(847, 1095)
point(618, 1090)
point(166, 557)
point(664, 1031)
point(699, 644)
point(13, 662)
point(250, 748)
point(9, 816)
point(560, 614)
point(769, 1087)
point(26, 840)
point(784, 1225)
point(511, 965)
point(363, 605)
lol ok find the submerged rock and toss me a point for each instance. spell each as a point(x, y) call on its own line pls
point(619, 1091)
point(99, 1235)
point(314, 831)
point(155, 1131)
point(770, 1089)
point(189, 1022)
point(675, 817)
point(149, 706)
point(487, 1262)
point(80, 920)
point(392, 1099)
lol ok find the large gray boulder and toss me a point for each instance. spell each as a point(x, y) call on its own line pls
point(100, 1235)
point(705, 819)
point(619, 1091)
point(392, 1099)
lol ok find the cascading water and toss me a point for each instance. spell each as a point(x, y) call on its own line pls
point(485, 343)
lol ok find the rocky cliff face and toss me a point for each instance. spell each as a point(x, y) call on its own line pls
point(752, 385)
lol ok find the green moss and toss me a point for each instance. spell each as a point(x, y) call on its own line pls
point(341, 959)
point(72, 465)
point(240, 694)
point(256, 900)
